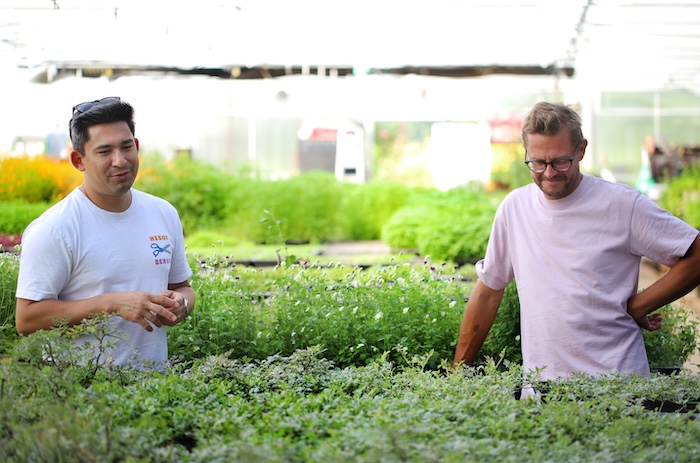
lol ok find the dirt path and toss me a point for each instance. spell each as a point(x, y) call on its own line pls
point(649, 273)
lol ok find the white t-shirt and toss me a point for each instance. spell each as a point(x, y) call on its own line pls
point(75, 250)
point(576, 262)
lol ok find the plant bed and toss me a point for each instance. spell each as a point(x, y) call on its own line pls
point(662, 393)
point(666, 406)
point(303, 408)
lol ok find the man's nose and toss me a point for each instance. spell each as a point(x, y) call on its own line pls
point(550, 170)
point(118, 158)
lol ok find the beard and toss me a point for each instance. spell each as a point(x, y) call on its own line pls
point(558, 186)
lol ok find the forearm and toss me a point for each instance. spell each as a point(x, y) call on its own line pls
point(31, 316)
point(670, 287)
point(478, 318)
point(145, 309)
point(680, 279)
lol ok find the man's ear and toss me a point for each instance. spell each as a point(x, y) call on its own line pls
point(77, 160)
point(136, 140)
point(584, 144)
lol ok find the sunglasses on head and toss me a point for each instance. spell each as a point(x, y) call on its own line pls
point(83, 107)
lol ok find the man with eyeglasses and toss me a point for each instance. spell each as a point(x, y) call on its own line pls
point(107, 248)
point(574, 243)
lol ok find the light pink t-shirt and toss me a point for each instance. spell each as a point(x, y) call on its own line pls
point(576, 263)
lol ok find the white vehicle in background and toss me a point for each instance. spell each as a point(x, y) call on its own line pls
point(332, 145)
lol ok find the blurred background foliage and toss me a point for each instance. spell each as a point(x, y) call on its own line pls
point(312, 207)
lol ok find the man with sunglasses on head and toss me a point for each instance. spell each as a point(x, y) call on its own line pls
point(106, 247)
point(574, 243)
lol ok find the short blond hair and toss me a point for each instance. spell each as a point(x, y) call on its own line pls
point(550, 118)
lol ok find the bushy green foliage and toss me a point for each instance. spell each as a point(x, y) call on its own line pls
point(453, 226)
point(9, 269)
point(16, 215)
point(366, 208)
point(307, 205)
point(356, 315)
point(682, 196)
point(310, 208)
point(198, 191)
point(302, 407)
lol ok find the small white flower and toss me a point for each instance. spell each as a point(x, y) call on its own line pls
point(378, 315)
point(355, 309)
point(341, 308)
point(405, 310)
point(259, 334)
point(453, 303)
point(294, 333)
point(434, 320)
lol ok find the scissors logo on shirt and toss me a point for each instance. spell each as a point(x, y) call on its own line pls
point(158, 250)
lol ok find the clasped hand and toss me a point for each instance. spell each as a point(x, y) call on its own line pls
point(166, 308)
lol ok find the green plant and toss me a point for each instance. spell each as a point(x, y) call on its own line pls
point(676, 340)
point(354, 314)
point(503, 341)
point(302, 407)
point(277, 237)
point(9, 270)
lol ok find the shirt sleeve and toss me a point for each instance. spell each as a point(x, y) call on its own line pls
point(495, 270)
point(657, 234)
point(179, 269)
point(45, 263)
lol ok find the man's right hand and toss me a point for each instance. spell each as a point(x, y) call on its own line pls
point(651, 322)
point(142, 307)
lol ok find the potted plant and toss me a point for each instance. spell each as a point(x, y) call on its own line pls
point(669, 347)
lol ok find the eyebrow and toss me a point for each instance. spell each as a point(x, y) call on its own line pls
point(563, 158)
point(109, 145)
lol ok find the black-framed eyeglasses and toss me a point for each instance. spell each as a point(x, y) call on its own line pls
point(560, 165)
point(83, 107)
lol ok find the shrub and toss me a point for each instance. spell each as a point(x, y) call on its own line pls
point(682, 197)
point(365, 209)
point(198, 191)
point(453, 226)
point(308, 205)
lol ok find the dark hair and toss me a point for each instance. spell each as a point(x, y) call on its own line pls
point(550, 118)
point(98, 113)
